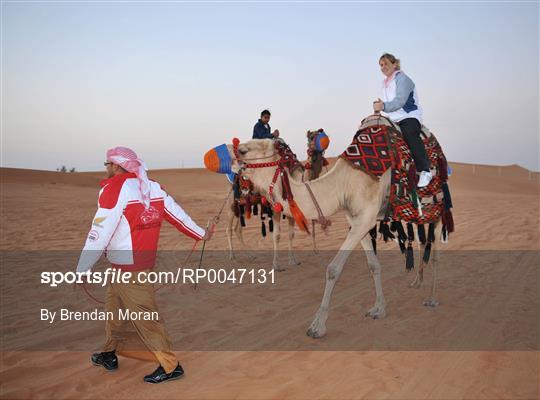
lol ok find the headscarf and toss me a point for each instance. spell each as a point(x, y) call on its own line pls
point(127, 159)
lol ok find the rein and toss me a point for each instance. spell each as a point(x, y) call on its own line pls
point(323, 221)
point(85, 288)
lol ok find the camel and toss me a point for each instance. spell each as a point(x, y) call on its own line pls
point(363, 199)
point(234, 225)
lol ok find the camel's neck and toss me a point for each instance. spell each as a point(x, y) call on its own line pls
point(327, 190)
point(298, 174)
point(334, 191)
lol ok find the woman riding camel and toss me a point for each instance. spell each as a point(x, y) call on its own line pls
point(400, 104)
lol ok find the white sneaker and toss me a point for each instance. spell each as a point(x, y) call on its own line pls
point(425, 178)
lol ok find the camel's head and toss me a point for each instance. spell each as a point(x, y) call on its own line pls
point(318, 140)
point(237, 157)
point(220, 159)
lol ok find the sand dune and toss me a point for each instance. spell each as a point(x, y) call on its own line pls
point(496, 210)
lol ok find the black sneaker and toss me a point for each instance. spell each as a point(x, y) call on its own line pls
point(159, 375)
point(107, 360)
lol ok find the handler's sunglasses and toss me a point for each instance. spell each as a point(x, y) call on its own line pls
point(107, 163)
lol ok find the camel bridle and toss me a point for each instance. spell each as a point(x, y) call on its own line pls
point(244, 165)
point(286, 161)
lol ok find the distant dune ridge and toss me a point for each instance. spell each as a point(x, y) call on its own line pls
point(495, 208)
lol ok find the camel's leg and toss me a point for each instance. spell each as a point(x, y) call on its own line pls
point(292, 259)
point(431, 301)
point(239, 230)
point(379, 309)
point(419, 278)
point(228, 233)
point(358, 229)
point(276, 217)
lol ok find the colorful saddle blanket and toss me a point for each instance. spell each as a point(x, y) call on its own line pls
point(379, 145)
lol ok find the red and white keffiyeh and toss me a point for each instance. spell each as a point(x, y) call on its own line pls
point(127, 159)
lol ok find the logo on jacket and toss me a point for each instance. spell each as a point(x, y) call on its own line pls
point(93, 235)
point(98, 220)
point(150, 215)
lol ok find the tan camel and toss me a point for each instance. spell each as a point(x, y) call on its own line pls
point(234, 225)
point(362, 197)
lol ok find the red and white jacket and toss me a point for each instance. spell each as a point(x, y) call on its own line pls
point(117, 229)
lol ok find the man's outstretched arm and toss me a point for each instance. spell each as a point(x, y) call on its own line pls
point(177, 217)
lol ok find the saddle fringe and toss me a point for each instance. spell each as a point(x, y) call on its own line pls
point(405, 238)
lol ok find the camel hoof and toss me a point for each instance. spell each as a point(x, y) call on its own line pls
point(313, 333)
point(431, 302)
point(416, 284)
point(376, 313)
point(294, 263)
point(317, 329)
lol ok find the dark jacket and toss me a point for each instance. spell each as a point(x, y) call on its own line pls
point(262, 131)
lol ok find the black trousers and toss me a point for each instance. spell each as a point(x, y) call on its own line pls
point(411, 128)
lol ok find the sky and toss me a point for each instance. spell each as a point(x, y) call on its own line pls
point(174, 79)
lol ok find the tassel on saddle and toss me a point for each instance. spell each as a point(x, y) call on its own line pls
point(409, 259)
point(430, 240)
point(421, 233)
point(396, 226)
point(385, 232)
point(373, 234)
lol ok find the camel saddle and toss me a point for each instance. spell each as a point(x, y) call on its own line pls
point(377, 146)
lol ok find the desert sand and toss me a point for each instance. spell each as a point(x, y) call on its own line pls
point(496, 209)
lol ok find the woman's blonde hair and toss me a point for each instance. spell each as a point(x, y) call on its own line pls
point(392, 59)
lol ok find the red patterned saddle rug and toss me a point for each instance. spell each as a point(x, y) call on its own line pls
point(378, 146)
point(370, 150)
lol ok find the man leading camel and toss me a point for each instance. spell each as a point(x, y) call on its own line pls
point(127, 224)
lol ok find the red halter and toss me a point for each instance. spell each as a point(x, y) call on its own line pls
point(236, 142)
point(276, 163)
point(287, 159)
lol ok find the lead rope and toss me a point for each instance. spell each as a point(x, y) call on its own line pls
point(325, 222)
point(213, 228)
point(200, 258)
point(85, 289)
point(90, 295)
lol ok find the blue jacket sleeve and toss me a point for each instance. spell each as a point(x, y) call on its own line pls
point(404, 87)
